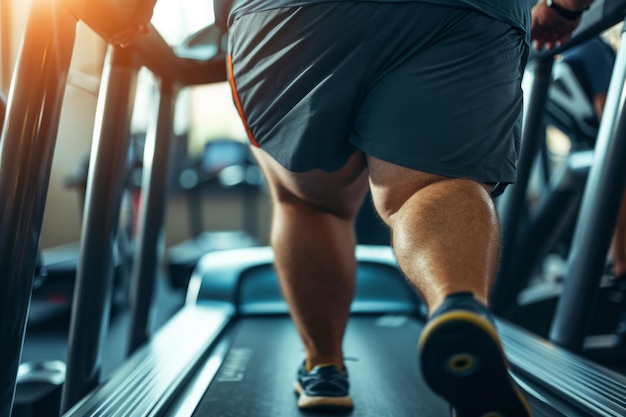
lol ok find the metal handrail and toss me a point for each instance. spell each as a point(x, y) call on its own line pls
point(110, 16)
point(27, 147)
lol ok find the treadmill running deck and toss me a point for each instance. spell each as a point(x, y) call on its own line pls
point(256, 377)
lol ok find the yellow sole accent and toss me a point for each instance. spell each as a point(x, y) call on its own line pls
point(460, 315)
point(461, 363)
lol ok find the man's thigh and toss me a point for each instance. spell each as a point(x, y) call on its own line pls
point(340, 192)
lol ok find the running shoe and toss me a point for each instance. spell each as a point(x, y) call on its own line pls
point(324, 388)
point(463, 361)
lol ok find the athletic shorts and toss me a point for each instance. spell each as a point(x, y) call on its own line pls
point(428, 87)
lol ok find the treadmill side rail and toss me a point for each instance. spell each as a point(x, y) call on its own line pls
point(150, 377)
point(593, 389)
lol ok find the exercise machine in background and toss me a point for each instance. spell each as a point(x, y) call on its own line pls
point(224, 169)
point(572, 217)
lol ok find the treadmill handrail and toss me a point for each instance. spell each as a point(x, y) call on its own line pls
point(107, 17)
point(29, 134)
point(154, 53)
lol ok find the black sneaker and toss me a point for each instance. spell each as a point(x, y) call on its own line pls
point(324, 388)
point(462, 360)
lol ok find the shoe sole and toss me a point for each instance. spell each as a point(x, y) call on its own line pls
point(463, 361)
point(319, 403)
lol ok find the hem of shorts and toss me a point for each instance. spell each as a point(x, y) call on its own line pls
point(433, 168)
point(296, 168)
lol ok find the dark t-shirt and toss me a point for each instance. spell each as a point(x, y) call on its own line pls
point(513, 12)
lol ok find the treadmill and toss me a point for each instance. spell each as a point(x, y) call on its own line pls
point(231, 350)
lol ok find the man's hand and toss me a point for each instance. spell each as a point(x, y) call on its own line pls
point(548, 28)
point(138, 25)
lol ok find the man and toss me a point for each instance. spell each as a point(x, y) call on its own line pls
point(421, 101)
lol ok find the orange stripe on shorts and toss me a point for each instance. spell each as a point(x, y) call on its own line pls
point(233, 87)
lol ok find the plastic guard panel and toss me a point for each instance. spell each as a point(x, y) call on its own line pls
point(246, 279)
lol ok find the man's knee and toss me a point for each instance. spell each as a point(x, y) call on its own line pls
point(339, 193)
point(394, 186)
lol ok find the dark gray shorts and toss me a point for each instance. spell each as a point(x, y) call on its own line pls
point(431, 88)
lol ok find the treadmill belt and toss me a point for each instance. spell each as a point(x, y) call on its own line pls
point(256, 377)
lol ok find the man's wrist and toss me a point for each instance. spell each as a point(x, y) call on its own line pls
point(564, 12)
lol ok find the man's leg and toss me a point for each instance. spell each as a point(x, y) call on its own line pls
point(446, 238)
point(313, 239)
point(445, 231)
